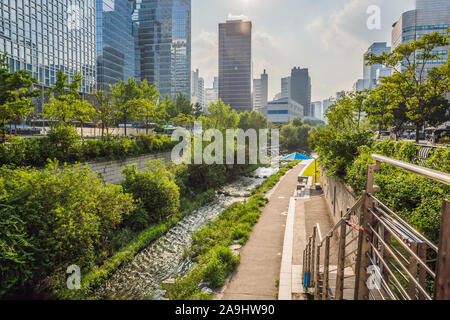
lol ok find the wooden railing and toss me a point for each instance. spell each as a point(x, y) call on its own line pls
point(390, 259)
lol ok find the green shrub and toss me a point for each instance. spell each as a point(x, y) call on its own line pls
point(440, 160)
point(66, 214)
point(155, 187)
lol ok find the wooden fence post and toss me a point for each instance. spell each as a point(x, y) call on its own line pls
point(326, 269)
point(316, 274)
point(442, 283)
point(339, 292)
point(412, 268)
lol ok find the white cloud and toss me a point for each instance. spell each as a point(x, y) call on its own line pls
point(204, 55)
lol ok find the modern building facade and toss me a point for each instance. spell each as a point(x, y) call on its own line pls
point(301, 89)
point(370, 80)
point(325, 105)
point(115, 43)
point(283, 110)
point(197, 88)
point(285, 87)
point(212, 94)
point(45, 36)
point(316, 110)
point(260, 91)
point(429, 16)
point(235, 61)
point(162, 35)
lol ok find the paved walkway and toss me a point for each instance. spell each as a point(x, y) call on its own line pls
point(255, 278)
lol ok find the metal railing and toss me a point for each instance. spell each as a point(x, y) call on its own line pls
point(391, 260)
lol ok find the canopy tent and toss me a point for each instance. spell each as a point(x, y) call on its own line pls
point(296, 156)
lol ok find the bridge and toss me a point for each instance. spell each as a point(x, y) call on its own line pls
point(379, 255)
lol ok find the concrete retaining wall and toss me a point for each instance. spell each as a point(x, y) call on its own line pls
point(111, 171)
point(340, 198)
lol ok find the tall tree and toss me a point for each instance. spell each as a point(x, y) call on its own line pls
point(123, 93)
point(105, 111)
point(415, 86)
point(16, 91)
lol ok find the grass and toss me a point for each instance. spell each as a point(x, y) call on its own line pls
point(309, 172)
point(210, 251)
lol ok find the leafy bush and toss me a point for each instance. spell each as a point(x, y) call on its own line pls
point(337, 149)
point(222, 261)
point(155, 187)
point(66, 214)
point(64, 144)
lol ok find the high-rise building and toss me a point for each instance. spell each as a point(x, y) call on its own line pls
point(211, 94)
point(429, 16)
point(48, 36)
point(316, 108)
point(162, 34)
point(301, 89)
point(325, 105)
point(370, 72)
point(260, 91)
point(285, 87)
point(235, 60)
point(197, 88)
point(115, 43)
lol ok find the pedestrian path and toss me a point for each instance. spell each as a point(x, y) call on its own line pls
point(257, 274)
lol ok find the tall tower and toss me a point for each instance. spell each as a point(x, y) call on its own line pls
point(162, 34)
point(115, 43)
point(235, 56)
point(301, 89)
point(260, 91)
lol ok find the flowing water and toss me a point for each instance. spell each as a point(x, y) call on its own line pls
point(165, 258)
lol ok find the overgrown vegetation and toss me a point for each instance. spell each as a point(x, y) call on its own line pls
point(214, 260)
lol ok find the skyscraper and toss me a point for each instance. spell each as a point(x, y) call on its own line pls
point(115, 43)
point(260, 91)
point(54, 35)
point(235, 59)
point(429, 16)
point(370, 72)
point(301, 89)
point(285, 87)
point(316, 110)
point(162, 34)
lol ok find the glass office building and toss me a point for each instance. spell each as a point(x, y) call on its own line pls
point(235, 64)
point(162, 34)
point(44, 36)
point(115, 43)
point(429, 16)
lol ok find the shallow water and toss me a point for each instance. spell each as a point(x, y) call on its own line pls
point(165, 258)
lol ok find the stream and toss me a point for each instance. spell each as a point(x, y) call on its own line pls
point(165, 258)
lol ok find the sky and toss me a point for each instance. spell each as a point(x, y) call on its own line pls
point(329, 37)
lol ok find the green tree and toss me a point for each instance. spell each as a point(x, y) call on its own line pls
point(253, 119)
point(83, 112)
point(198, 110)
point(150, 95)
point(105, 110)
point(183, 105)
point(16, 90)
point(294, 135)
point(221, 117)
point(418, 89)
point(122, 94)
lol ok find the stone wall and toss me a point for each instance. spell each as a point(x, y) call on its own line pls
point(111, 171)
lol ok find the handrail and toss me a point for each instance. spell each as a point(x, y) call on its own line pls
point(438, 176)
point(415, 231)
point(320, 234)
point(344, 217)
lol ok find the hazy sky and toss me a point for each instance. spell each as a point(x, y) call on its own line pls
point(327, 36)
